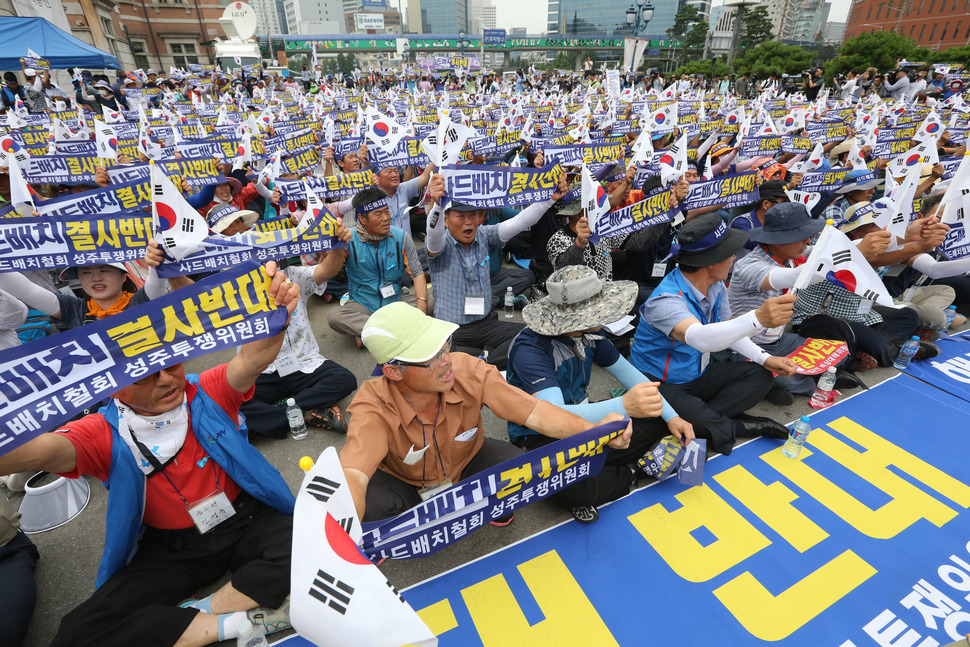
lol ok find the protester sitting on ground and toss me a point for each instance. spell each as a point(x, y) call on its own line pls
point(231, 191)
point(769, 271)
point(552, 359)
point(106, 287)
point(11, 90)
point(858, 186)
point(34, 88)
point(389, 461)
point(377, 257)
point(688, 317)
point(928, 301)
point(400, 194)
point(299, 371)
point(154, 552)
point(349, 162)
point(770, 193)
point(19, 559)
point(459, 248)
point(878, 331)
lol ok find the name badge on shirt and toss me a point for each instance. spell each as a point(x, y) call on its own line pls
point(387, 291)
point(659, 270)
point(865, 305)
point(474, 305)
point(427, 492)
point(210, 511)
point(286, 364)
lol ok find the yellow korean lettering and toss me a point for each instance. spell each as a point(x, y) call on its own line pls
point(569, 616)
point(135, 337)
point(669, 533)
point(79, 231)
point(775, 617)
point(772, 504)
point(252, 287)
point(174, 326)
point(213, 303)
point(908, 503)
point(514, 479)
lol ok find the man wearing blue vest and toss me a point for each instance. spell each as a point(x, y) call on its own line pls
point(687, 318)
point(172, 449)
point(378, 256)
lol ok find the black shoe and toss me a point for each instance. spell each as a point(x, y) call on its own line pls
point(927, 350)
point(585, 513)
point(846, 380)
point(780, 396)
point(758, 426)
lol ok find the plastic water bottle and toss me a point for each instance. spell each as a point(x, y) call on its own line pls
point(951, 314)
point(509, 303)
point(823, 396)
point(251, 636)
point(796, 437)
point(906, 354)
point(295, 417)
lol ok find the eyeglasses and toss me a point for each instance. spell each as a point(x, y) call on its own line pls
point(154, 376)
point(434, 362)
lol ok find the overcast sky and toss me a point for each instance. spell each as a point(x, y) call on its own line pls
point(533, 14)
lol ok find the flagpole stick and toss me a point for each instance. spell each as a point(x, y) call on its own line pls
point(806, 274)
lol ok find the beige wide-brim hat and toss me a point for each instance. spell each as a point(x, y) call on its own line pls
point(579, 300)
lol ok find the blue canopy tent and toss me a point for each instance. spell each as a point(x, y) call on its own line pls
point(63, 50)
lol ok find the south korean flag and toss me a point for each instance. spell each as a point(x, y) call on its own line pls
point(338, 597)
point(106, 141)
point(179, 229)
point(382, 130)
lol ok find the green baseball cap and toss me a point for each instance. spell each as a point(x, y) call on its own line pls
point(401, 332)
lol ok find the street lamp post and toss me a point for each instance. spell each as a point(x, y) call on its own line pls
point(461, 41)
point(637, 18)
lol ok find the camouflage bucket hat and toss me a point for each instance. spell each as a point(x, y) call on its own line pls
point(579, 300)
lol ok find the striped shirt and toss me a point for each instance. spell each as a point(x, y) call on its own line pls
point(745, 293)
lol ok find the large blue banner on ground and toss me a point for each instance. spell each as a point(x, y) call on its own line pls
point(949, 371)
point(860, 541)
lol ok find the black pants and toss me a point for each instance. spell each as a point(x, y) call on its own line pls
point(883, 340)
point(490, 333)
point(388, 496)
point(723, 390)
point(613, 480)
point(327, 385)
point(138, 606)
point(17, 561)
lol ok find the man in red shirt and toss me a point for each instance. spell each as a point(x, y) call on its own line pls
point(191, 500)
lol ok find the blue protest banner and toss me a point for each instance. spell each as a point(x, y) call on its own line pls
point(861, 538)
point(47, 382)
point(500, 186)
point(454, 513)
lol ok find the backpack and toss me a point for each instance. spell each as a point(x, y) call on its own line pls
point(37, 326)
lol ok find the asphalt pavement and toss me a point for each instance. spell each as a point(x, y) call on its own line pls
point(70, 554)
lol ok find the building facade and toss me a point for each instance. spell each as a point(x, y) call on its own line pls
point(438, 16)
point(315, 16)
point(150, 34)
point(608, 17)
point(937, 24)
point(267, 17)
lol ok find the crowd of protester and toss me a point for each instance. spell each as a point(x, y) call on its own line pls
point(421, 283)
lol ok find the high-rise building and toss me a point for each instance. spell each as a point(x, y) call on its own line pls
point(438, 16)
point(267, 17)
point(833, 32)
point(481, 15)
point(608, 17)
point(315, 16)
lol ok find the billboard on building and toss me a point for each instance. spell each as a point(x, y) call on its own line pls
point(369, 20)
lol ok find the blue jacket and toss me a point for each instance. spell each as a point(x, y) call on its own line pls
point(660, 356)
point(225, 441)
point(370, 267)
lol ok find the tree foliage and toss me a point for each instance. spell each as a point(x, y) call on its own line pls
point(703, 66)
point(878, 49)
point(691, 28)
point(772, 57)
point(959, 54)
point(756, 28)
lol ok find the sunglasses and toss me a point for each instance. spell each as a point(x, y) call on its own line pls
point(434, 362)
point(154, 376)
